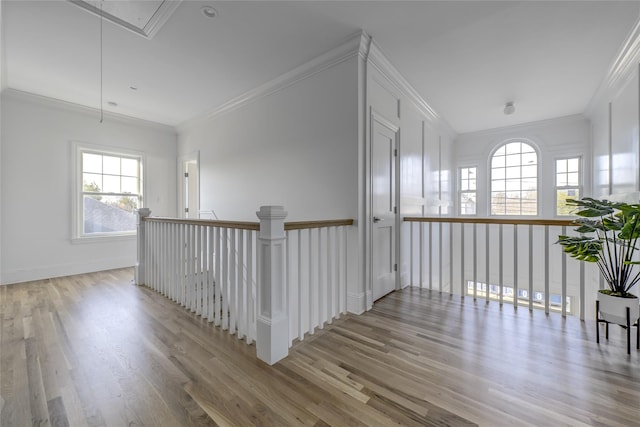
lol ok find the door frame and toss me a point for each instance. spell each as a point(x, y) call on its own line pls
point(186, 158)
point(373, 117)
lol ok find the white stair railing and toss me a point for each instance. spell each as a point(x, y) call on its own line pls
point(507, 260)
point(229, 273)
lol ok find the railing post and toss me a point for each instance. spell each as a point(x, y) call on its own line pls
point(141, 263)
point(272, 341)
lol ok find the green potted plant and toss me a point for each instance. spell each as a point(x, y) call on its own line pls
point(609, 233)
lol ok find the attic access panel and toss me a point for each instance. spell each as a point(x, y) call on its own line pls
point(144, 18)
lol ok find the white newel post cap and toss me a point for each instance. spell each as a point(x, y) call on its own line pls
point(143, 213)
point(271, 221)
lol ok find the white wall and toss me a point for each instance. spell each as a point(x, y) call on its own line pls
point(296, 147)
point(37, 182)
point(555, 138)
point(616, 138)
point(425, 160)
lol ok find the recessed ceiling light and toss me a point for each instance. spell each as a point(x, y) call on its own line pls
point(112, 104)
point(509, 108)
point(209, 11)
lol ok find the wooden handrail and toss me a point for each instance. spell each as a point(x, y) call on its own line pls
point(246, 225)
point(552, 222)
point(301, 225)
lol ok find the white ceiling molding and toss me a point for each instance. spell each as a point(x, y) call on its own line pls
point(151, 26)
point(379, 60)
point(83, 109)
point(625, 64)
point(346, 50)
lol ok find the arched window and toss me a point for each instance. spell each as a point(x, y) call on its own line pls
point(514, 180)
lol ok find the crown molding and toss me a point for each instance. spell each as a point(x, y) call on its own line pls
point(84, 110)
point(624, 65)
point(348, 49)
point(378, 59)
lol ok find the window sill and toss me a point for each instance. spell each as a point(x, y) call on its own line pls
point(104, 238)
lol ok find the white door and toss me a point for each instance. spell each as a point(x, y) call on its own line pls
point(189, 190)
point(383, 203)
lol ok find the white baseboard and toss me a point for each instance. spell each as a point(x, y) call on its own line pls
point(61, 270)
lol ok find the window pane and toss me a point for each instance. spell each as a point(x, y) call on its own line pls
point(513, 172)
point(498, 173)
point(91, 182)
point(108, 214)
point(529, 171)
point(498, 161)
point(526, 148)
point(529, 159)
point(561, 179)
point(129, 167)
point(573, 178)
point(513, 148)
point(573, 165)
point(561, 165)
point(91, 163)
point(529, 184)
point(498, 185)
point(561, 201)
point(472, 184)
point(129, 185)
point(464, 173)
point(513, 184)
point(111, 165)
point(513, 160)
point(111, 184)
point(468, 204)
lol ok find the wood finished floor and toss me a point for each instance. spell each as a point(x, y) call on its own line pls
point(95, 350)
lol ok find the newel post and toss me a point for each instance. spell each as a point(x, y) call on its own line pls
point(272, 341)
point(141, 263)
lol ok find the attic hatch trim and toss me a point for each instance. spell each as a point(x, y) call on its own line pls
point(153, 25)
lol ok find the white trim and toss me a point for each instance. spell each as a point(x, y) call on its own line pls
point(63, 270)
point(85, 110)
point(76, 189)
point(378, 59)
point(194, 156)
point(343, 52)
point(623, 66)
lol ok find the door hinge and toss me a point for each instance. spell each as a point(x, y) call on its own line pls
point(186, 174)
point(395, 209)
point(186, 210)
point(395, 152)
point(395, 267)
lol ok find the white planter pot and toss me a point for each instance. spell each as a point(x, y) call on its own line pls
point(613, 309)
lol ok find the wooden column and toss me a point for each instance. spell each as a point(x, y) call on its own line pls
point(272, 343)
point(141, 263)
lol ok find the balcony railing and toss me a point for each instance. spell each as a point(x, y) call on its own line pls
point(269, 281)
point(507, 260)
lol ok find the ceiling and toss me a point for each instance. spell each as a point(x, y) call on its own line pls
point(467, 59)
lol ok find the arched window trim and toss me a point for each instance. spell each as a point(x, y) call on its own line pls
point(501, 144)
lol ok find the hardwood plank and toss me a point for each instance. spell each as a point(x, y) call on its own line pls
point(95, 350)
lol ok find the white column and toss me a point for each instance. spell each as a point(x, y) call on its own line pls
point(272, 343)
point(141, 264)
